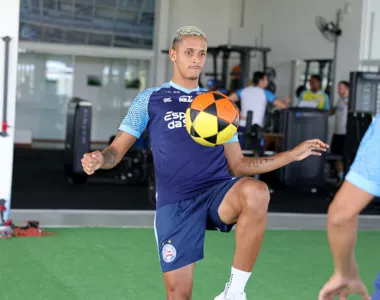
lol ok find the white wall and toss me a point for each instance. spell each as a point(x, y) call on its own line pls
point(9, 23)
point(371, 30)
point(46, 82)
point(212, 16)
point(110, 102)
point(288, 28)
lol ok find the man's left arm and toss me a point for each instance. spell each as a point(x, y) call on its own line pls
point(277, 102)
point(241, 165)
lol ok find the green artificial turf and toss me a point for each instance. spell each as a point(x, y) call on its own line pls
point(118, 264)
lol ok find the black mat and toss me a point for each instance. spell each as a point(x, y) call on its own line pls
point(39, 182)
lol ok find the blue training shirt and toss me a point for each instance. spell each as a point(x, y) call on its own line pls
point(270, 96)
point(365, 170)
point(183, 168)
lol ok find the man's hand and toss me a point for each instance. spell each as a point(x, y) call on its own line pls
point(92, 162)
point(307, 148)
point(342, 287)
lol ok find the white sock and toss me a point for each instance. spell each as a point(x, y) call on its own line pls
point(340, 175)
point(237, 283)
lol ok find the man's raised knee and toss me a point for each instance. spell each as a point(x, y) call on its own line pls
point(255, 196)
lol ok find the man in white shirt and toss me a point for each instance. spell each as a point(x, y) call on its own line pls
point(256, 98)
point(339, 138)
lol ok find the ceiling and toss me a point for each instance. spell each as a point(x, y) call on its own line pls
point(114, 23)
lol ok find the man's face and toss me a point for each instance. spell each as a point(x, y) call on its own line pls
point(189, 56)
point(342, 90)
point(315, 86)
point(264, 82)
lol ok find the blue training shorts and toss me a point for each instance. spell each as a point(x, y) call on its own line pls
point(365, 170)
point(376, 295)
point(180, 227)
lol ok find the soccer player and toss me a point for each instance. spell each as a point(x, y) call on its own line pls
point(361, 184)
point(198, 187)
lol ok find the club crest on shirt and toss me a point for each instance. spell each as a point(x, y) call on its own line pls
point(169, 253)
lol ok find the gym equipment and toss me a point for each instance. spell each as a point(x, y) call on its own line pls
point(245, 56)
point(272, 87)
point(271, 73)
point(4, 124)
point(302, 124)
point(253, 138)
point(365, 92)
point(132, 169)
point(78, 136)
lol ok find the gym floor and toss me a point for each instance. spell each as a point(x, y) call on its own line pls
point(119, 264)
point(95, 263)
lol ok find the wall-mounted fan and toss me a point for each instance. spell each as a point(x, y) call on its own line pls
point(330, 30)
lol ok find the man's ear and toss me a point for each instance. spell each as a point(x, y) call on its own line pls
point(172, 55)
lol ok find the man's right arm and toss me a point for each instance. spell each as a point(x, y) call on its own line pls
point(131, 128)
point(114, 153)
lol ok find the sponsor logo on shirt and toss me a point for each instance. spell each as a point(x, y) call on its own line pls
point(185, 99)
point(175, 119)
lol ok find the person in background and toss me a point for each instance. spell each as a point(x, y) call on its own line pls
point(339, 138)
point(256, 99)
point(314, 97)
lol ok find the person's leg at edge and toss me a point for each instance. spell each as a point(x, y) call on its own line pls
point(245, 204)
point(179, 283)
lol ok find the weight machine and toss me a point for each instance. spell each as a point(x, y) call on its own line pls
point(245, 57)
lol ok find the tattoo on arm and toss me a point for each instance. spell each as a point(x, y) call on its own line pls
point(109, 155)
point(255, 162)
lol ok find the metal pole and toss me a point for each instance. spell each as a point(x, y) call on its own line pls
point(4, 125)
point(333, 69)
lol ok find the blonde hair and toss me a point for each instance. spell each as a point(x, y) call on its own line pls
point(187, 31)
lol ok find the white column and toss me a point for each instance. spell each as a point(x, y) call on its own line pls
point(161, 41)
point(9, 26)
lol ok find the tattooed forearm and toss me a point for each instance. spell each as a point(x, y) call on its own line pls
point(256, 162)
point(110, 155)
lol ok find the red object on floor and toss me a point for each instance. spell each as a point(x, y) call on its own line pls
point(31, 229)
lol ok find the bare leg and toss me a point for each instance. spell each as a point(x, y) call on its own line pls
point(179, 283)
point(246, 203)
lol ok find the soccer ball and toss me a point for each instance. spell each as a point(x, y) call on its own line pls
point(212, 119)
